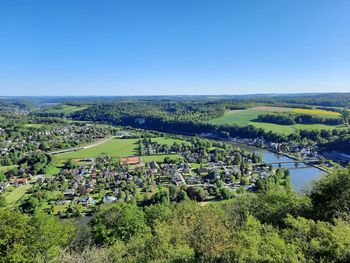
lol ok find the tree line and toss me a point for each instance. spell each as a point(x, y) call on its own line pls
point(293, 118)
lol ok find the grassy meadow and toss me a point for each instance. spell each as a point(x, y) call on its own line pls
point(118, 148)
point(246, 117)
point(114, 147)
point(17, 193)
point(168, 141)
point(4, 169)
point(34, 125)
point(65, 109)
point(158, 158)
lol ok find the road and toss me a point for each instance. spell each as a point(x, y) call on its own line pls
point(84, 147)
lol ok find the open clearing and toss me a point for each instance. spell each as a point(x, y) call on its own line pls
point(4, 169)
point(117, 148)
point(16, 194)
point(317, 112)
point(64, 109)
point(246, 117)
point(34, 125)
point(158, 158)
point(169, 141)
point(114, 147)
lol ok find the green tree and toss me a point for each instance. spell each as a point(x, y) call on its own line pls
point(256, 242)
point(331, 195)
point(225, 193)
point(2, 176)
point(157, 213)
point(70, 164)
point(3, 202)
point(117, 221)
point(345, 114)
point(319, 241)
point(39, 238)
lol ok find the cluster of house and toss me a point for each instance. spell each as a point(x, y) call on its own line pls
point(82, 183)
point(85, 178)
point(14, 181)
point(309, 151)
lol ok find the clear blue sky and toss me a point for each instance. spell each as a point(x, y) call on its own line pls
point(148, 47)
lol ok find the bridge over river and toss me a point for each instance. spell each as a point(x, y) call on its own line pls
point(287, 162)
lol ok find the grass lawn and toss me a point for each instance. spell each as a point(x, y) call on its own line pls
point(6, 168)
point(16, 194)
point(65, 109)
point(60, 209)
point(119, 148)
point(158, 158)
point(197, 165)
point(239, 117)
point(114, 147)
point(169, 141)
point(53, 170)
point(246, 117)
point(34, 125)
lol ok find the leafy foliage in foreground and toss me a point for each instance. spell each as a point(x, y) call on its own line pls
point(39, 238)
point(264, 227)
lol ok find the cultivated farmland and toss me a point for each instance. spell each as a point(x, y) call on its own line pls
point(246, 117)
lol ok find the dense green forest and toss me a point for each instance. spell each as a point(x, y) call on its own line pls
point(292, 118)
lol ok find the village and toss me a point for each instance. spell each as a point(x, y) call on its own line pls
point(202, 168)
point(198, 169)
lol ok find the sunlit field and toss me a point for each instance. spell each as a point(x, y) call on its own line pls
point(246, 117)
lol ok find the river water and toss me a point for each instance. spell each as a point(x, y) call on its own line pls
point(302, 175)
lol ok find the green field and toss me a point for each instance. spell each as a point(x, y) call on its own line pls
point(169, 141)
point(65, 109)
point(6, 168)
point(113, 147)
point(158, 158)
point(120, 148)
point(34, 125)
point(246, 117)
point(317, 112)
point(12, 197)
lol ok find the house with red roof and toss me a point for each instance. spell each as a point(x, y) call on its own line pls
point(130, 160)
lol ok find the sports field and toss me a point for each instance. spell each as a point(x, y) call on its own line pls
point(114, 147)
point(246, 117)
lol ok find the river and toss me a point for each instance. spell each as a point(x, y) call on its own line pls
point(302, 175)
